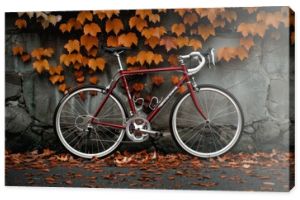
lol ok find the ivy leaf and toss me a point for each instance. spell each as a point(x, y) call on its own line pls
point(138, 23)
point(25, 57)
point(229, 15)
point(190, 18)
point(62, 87)
point(98, 63)
point(226, 53)
point(112, 41)
point(131, 60)
point(157, 80)
point(247, 42)
point(89, 41)
point(127, 40)
point(84, 16)
point(56, 79)
point(143, 13)
point(72, 45)
point(157, 58)
point(169, 42)
point(242, 53)
point(196, 44)
point(41, 65)
point(152, 41)
point(42, 52)
point(173, 60)
point(17, 50)
point(55, 70)
point(206, 30)
point(21, 23)
point(182, 41)
point(91, 29)
point(138, 87)
point(114, 25)
point(154, 18)
point(153, 32)
point(94, 80)
point(178, 29)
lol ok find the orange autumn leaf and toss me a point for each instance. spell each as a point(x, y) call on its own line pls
point(62, 87)
point(92, 52)
point(173, 60)
point(21, 23)
point(112, 41)
point(138, 87)
point(169, 42)
point(72, 23)
point(131, 60)
point(218, 23)
point(17, 50)
point(196, 44)
point(56, 79)
point(190, 18)
point(127, 40)
point(206, 30)
point(178, 29)
point(242, 53)
point(252, 28)
point(247, 42)
point(157, 80)
point(269, 18)
point(25, 57)
point(226, 53)
point(210, 13)
point(40, 65)
point(114, 25)
point(68, 59)
point(154, 18)
point(91, 29)
point(175, 79)
point(42, 52)
point(182, 89)
point(89, 41)
point(80, 79)
point(55, 70)
point(143, 13)
point(106, 13)
point(157, 58)
point(145, 56)
point(229, 15)
point(98, 63)
point(152, 41)
point(138, 23)
point(94, 80)
point(72, 45)
point(182, 41)
point(154, 32)
point(181, 12)
point(84, 16)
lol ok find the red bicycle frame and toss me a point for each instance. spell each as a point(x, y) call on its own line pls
point(122, 75)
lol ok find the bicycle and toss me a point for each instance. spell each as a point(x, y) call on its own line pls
point(91, 121)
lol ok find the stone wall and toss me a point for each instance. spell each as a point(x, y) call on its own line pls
point(263, 84)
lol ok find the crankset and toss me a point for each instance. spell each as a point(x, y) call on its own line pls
point(138, 129)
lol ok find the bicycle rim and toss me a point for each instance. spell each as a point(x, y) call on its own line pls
point(215, 136)
point(73, 114)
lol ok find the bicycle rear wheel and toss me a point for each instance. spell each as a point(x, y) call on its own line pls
point(214, 136)
point(72, 121)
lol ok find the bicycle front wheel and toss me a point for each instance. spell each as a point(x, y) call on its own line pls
point(75, 130)
point(214, 136)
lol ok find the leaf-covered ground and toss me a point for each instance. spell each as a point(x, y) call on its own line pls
point(261, 171)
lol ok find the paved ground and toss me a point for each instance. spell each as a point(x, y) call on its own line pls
point(275, 178)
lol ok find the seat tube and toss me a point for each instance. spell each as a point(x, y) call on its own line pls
point(119, 60)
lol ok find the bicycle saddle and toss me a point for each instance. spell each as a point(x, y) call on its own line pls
point(115, 49)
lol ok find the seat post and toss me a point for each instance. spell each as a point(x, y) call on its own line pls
point(117, 54)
